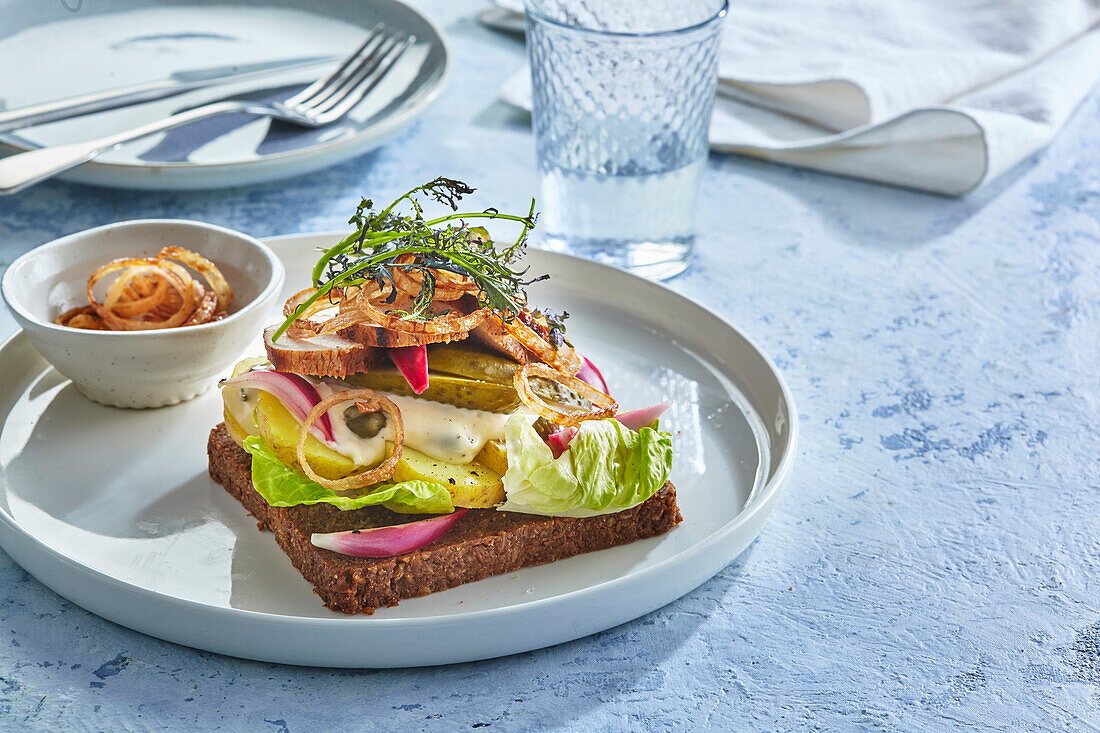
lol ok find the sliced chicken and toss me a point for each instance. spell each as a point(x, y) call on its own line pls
point(492, 334)
point(321, 356)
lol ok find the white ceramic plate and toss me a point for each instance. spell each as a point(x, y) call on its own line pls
point(53, 52)
point(114, 509)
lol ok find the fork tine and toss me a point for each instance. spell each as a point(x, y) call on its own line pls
point(336, 91)
point(340, 72)
point(353, 83)
point(368, 80)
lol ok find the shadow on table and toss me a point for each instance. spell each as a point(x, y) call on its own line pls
point(873, 215)
point(557, 686)
point(547, 688)
point(498, 115)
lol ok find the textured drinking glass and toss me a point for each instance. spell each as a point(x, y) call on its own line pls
point(623, 91)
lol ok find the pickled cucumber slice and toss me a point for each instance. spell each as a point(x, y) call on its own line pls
point(473, 394)
point(250, 363)
point(468, 360)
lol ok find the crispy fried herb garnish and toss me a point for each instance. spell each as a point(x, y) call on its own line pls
point(446, 243)
point(556, 323)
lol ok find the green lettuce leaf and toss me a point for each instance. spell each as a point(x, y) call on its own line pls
point(606, 469)
point(281, 485)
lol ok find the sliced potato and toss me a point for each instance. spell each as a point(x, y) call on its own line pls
point(280, 430)
point(472, 485)
point(494, 457)
point(236, 432)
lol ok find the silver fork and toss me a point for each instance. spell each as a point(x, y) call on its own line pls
point(321, 103)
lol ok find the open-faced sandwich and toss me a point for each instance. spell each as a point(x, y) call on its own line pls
point(418, 424)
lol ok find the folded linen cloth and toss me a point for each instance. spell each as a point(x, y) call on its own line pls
point(937, 95)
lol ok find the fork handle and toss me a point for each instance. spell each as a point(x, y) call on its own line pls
point(26, 169)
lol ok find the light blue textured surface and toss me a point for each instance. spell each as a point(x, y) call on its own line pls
point(935, 564)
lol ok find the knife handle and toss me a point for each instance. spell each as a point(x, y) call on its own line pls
point(37, 114)
point(25, 169)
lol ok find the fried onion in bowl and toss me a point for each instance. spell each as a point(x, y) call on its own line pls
point(151, 293)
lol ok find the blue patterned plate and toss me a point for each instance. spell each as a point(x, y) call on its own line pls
point(66, 47)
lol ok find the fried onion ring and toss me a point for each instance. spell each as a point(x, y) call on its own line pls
point(341, 298)
point(454, 323)
point(172, 303)
point(120, 323)
point(83, 316)
point(448, 285)
point(153, 293)
point(204, 267)
point(303, 327)
point(563, 358)
point(603, 405)
point(206, 311)
point(132, 285)
point(374, 401)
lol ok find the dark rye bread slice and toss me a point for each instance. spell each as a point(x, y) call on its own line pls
point(485, 542)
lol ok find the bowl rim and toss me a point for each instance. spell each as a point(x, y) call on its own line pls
point(273, 285)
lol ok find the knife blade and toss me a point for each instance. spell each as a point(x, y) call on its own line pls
point(177, 83)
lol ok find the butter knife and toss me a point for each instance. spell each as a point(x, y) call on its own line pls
point(177, 83)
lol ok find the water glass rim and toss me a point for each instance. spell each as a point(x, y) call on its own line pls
point(531, 6)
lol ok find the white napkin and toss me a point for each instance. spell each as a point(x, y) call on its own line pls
point(938, 95)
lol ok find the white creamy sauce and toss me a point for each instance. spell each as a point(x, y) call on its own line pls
point(444, 432)
point(448, 433)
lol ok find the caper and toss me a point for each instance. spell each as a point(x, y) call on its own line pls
point(364, 424)
point(544, 427)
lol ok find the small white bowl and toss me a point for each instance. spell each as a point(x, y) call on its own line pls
point(141, 368)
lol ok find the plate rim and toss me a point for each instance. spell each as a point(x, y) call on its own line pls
point(378, 131)
point(762, 501)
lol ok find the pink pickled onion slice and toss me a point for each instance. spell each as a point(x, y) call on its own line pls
point(559, 441)
point(296, 394)
point(642, 418)
point(635, 420)
point(590, 375)
point(412, 362)
point(388, 541)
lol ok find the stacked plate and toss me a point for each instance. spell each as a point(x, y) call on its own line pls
point(75, 47)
